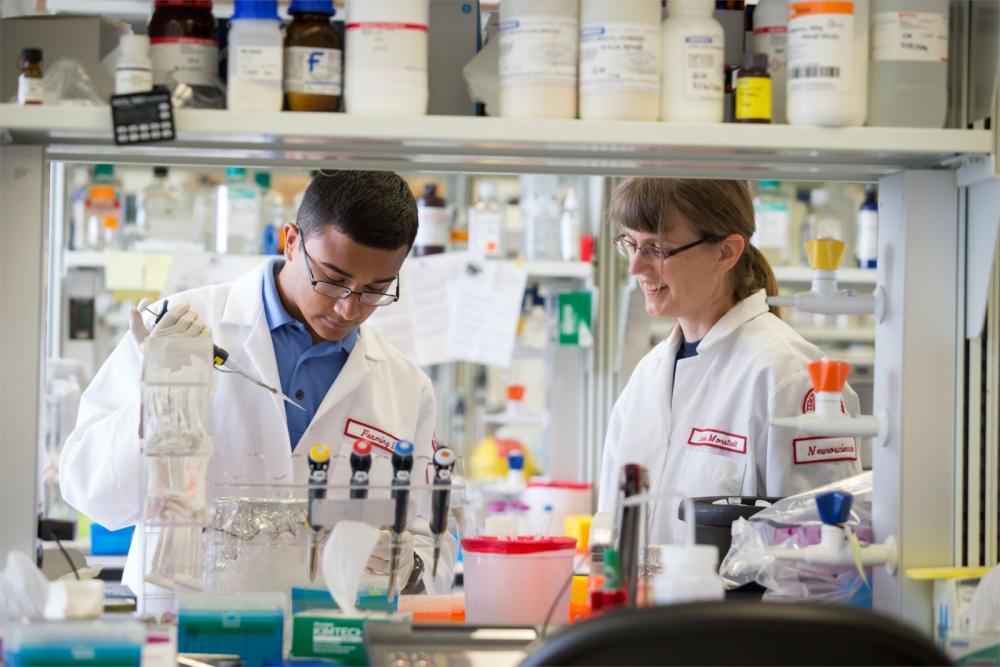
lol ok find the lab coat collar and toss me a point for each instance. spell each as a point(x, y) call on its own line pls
point(749, 308)
point(245, 304)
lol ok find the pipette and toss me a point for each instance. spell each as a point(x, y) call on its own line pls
point(402, 464)
point(226, 365)
point(361, 464)
point(444, 463)
point(319, 464)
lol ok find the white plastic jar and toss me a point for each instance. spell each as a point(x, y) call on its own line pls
point(134, 71)
point(538, 56)
point(828, 63)
point(908, 77)
point(770, 37)
point(385, 57)
point(620, 60)
point(255, 57)
point(693, 76)
point(689, 574)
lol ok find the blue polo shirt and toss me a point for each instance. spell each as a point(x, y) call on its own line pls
point(307, 371)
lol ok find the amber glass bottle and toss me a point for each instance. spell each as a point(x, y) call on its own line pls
point(313, 58)
point(185, 43)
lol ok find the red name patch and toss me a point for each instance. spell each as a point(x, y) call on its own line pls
point(376, 436)
point(709, 437)
point(822, 450)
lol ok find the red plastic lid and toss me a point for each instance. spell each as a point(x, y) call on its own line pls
point(517, 545)
point(362, 447)
point(556, 484)
point(515, 392)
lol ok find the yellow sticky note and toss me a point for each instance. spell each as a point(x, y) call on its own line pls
point(157, 268)
point(124, 271)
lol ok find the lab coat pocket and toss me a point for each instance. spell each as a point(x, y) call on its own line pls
point(705, 473)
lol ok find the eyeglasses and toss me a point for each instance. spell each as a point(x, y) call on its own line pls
point(627, 248)
point(337, 292)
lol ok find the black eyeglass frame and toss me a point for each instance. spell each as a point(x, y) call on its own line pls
point(346, 291)
point(623, 240)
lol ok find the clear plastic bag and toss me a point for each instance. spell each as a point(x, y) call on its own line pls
point(794, 523)
point(66, 82)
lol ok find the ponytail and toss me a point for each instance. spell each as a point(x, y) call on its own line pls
point(753, 273)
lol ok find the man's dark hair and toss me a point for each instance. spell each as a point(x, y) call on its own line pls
point(373, 208)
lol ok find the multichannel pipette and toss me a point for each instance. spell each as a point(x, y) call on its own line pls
point(319, 464)
point(361, 465)
point(222, 362)
point(402, 464)
point(444, 463)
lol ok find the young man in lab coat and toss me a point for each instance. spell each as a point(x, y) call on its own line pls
point(297, 322)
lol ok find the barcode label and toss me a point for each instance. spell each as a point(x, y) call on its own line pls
point(814, 72)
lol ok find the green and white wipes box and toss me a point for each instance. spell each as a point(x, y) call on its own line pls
point(333, 635)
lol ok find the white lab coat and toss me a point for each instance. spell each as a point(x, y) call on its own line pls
point(707, 432)
point(379, 394)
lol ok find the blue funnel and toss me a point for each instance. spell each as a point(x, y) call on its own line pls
point(834, 507)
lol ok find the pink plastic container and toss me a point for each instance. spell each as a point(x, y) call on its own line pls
point(514, 581)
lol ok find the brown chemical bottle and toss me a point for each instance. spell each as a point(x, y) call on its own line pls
point(313, 58)
point(29, 83)
point(753, 90)
point(184, 42)
point(434, 223)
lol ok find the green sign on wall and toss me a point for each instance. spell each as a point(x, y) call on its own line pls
point(575, 319)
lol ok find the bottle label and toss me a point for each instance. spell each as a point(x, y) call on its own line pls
point(433, 226)
point(312, 70)
point(820, 51)
point(620, 57)
point(189, 60)
point(753, 98)
point(260, 63)
point(387, 45)
point(486, 235)
point(867, 249)
point(538, 51)
point(133, 80)
point(910, 36)
point(773, 41)
point(30, 90)
point(773, 225)
point(704, 68)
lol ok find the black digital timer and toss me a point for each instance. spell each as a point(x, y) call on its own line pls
point(141, 118)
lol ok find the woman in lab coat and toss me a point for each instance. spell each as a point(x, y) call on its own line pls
point(696, 410)
point(290, 322)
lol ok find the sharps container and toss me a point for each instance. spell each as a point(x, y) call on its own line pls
point(516, 580)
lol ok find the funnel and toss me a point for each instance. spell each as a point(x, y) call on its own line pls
point(829, 375)
point(825, 254)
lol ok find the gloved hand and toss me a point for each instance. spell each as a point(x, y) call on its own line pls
point(179, 320)
point(378, 561)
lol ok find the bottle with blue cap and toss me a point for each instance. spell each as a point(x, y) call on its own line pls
point(255, 57)
point(313, 58)
point(515, 471)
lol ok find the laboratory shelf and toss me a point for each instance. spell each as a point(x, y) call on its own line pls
point(98, 259)
point(557, 269)
point(85, 259)
point(505, 145)
point(803, 275)
point(837, 334)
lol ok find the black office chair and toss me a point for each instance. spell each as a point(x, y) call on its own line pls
point(738, 633)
